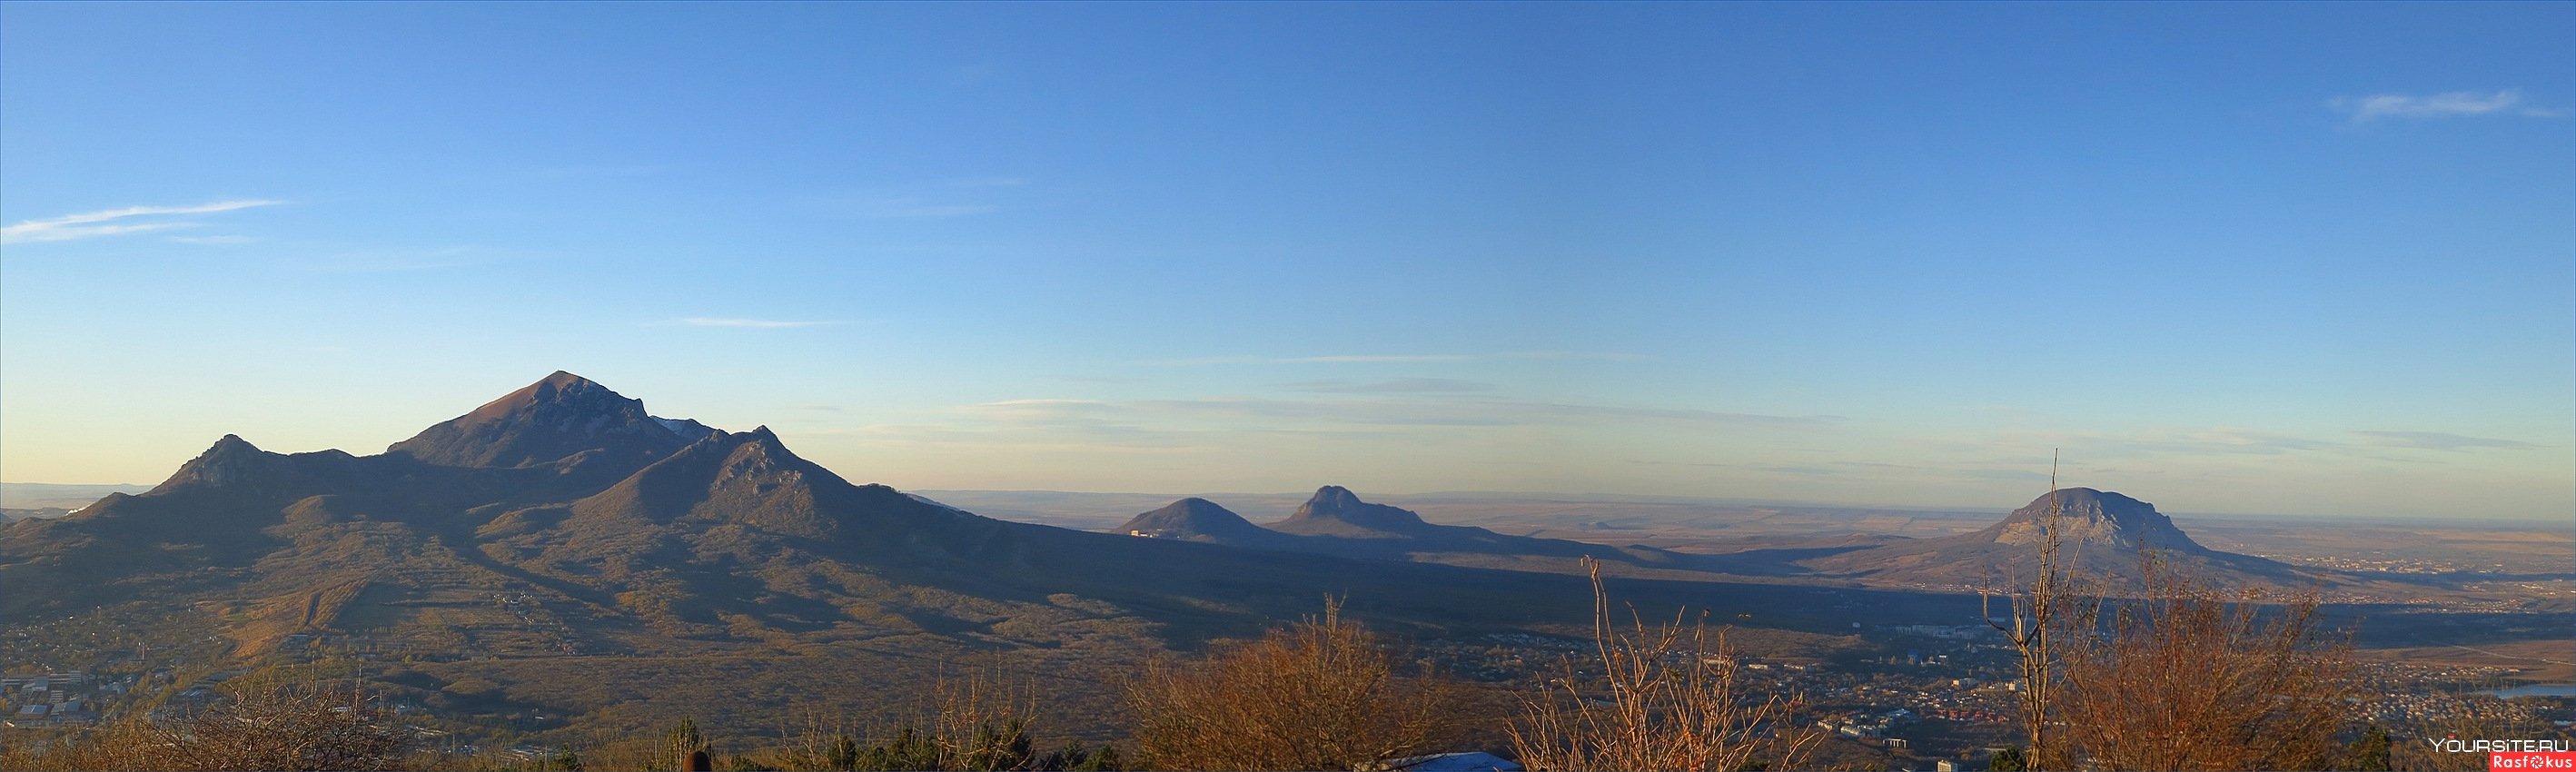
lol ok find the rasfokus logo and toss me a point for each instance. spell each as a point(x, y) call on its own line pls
point(2547, 761)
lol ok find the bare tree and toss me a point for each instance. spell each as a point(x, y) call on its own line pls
point(2035, 611)
point(2186, 676)
point(1669, 698)
point(1320, 694)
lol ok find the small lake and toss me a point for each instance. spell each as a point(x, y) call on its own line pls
point(2537, 690)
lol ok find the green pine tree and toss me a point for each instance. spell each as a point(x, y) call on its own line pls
point(2368, 754)
point(2007, 760)
point(844, 755)
point(1105, 760)
point(681, 741)
point(998, 747)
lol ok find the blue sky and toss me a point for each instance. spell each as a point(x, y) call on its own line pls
point(2292, 258)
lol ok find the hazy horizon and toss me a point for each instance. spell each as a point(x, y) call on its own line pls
point(2295, 259)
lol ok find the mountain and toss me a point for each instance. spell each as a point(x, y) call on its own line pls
point(1335, 511)
point(2102, 536)
point(1201, 520)
point(609, 530)
point(1335, 521)
point(562, 416)
point(2093, 520)
point(561, 555)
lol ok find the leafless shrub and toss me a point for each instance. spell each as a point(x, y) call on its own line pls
point(973, 722)
point(1668, 698)
point(2036, 609)
point(2187, 677)
point(1320, 694)
point(272, 727)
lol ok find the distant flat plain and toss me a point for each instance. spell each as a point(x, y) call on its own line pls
point(1718, 526)
point(2503, 560)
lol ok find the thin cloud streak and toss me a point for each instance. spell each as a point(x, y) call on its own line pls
point(401, 260)
point(706, 321)
point(1605, 356)
point(2443, 105)
point(2219, 441)
point(908, 209)
point(1333, 359)
point(2440, 441)
point(1387, 412)
point(101, 223)
point(1397, 386)
point(1247, 359)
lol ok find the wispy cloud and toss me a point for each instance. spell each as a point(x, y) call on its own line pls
point(924, 200)
point(1330, 359)
point(2196, 442)
point(1248, 359)
point(2448, 104)
point(914, 208)
point(598, 170)
point(1372, 412)
point(1397, 386)
point(113, 222)
point(401, 260)
point(709, 321)
point(2439, 441)
point(1603, 356)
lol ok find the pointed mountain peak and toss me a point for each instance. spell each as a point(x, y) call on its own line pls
point(557, 417)
point(563, 387)
point(747, 477)
point(760, 440)
point(1336, 504)
point(230, 461)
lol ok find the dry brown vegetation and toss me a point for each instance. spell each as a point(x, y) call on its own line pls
point(2182, 676)
point(2187, 677)
point(2173, 674)
point(2036, 611)
point(263, 728)
point(1320, 694)
point(1667, 698)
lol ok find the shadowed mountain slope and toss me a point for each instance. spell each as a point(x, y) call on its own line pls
point(2103, 536)
point(1335, 511)
point(561, 416)
point(1336, 521)
point(1201, 520)
point(621, 532)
